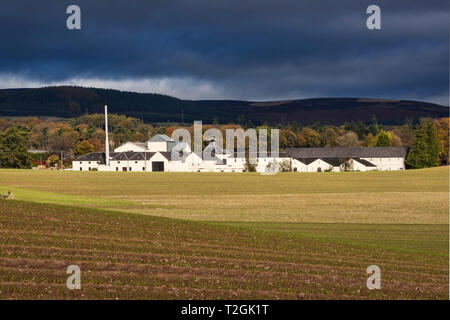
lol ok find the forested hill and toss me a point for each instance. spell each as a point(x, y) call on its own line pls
point(68, 101)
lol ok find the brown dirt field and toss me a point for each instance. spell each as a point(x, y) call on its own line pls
point(130, 256)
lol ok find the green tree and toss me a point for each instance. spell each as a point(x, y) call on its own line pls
point(383, 140)
point(14, 149)
point(374, 128)
point(43, 137)
point(83, 147)
point(425, 149)
point(357, 127)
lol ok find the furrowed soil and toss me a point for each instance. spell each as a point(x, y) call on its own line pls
point(132, 256)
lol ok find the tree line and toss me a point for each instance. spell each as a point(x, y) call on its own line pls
point(427, 141)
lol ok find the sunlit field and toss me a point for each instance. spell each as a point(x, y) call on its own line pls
point(231, 235)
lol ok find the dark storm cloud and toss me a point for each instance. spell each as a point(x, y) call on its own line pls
point(239, 49)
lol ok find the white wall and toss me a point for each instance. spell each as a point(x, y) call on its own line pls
point(388, 163)
point(361, 167)
point(157, 146)
point(194, 163)
point(118, 165)
point(319, 163)
point(261, 164)
point(84, 165)
point(300, 166)
point(158, 157)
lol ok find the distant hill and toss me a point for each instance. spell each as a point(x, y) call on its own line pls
point(68, 101)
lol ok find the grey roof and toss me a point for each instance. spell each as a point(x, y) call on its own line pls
point(93, 156)
point(346, 152)
point(140, 144)
point(117, 156)
point(167, 155)
point(333, 161)
point(306, 160)
point(161, 138)
point(131, 155)
point(281, 154)
point(365, 162)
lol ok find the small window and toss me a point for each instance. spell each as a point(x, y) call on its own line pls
point(81, 169)
point(130, 168)
point(118, 161)
point(89, 168)
point(89, 162)
point(135, 162)
point(143, 168)
point(117, 168)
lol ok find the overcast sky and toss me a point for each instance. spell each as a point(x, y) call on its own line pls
point(231, 49)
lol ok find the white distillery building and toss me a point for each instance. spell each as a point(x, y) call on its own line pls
point(161, 153)
point(347, 158)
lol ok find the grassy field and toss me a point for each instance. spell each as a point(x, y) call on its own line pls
point(235, 235)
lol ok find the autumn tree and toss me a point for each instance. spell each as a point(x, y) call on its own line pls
point(442, 131)
point(53, 161)
point(97, 144)
point(370, 140)
point(285, 166)
point(328, 136)
point(405, 133)
point(395, 140)
point(83, 147)
point(310, 136)
point(288, 139)
point(349, 139)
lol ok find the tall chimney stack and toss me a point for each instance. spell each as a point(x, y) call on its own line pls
point(106, 137)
